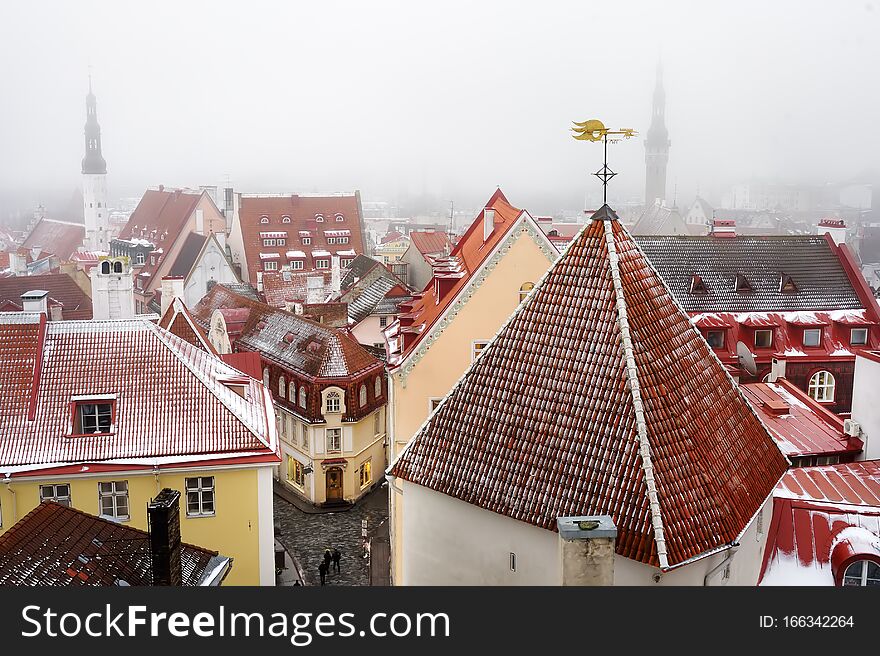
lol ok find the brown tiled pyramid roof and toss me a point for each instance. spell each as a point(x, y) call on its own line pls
point(599, 397)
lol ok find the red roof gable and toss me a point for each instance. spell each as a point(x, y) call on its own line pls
point(61, 287)
point(464, 260)
point(292, 215)
point(169, 398)
point(598, 397)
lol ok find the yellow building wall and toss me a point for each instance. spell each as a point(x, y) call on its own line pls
point(448, 358)
point(232, 530)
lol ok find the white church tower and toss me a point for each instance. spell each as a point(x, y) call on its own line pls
point(94, 171)
point(112, 288)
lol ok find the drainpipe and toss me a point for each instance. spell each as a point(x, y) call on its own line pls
point(722, 564)
point(8, 482)
point(156, 476)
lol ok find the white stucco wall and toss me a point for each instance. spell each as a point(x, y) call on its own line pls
point(450, 542)
point(369, 332)
point(212, 265)
point(865, 406)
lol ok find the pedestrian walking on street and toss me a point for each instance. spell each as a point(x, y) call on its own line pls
point(336, 557)
point(322, 570)
point(328, 556)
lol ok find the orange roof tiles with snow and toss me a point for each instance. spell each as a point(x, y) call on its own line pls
point(599, 397)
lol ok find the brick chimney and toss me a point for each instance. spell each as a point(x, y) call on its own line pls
point(163, 514)
point(723, 228)
point(586, 550)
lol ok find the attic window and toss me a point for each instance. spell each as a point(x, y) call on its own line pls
point(95, 417)
point(339, 217)
point(319, 218)
point(786, 285)
point(285, 219)
point(698, 286)
point(264, 219)
point(741, 285)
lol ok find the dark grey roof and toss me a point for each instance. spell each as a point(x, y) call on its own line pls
point(365, 286)
point(188, 254)
point(240, 288)
point(358, 268)
point(660, 220)
point(816, 270)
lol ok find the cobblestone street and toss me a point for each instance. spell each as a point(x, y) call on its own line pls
point(306, 535)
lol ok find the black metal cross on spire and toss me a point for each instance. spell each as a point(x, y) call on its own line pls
point(605, 173)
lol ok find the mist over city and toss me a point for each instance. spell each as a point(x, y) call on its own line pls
point(422, 105)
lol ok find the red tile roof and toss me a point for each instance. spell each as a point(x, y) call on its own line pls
point(430, 243)
point(59, 238)
point(178, 320)
point(62, 290)
point(800, 426)
point(58, 546)
point(464, 260)
point(303, 212)
point(598, 397)
point(285, 338)
point(823, 519)
point(171, 404)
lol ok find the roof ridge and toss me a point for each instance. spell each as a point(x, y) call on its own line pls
point(633, 380)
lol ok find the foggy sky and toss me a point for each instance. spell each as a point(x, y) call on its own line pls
point(452, 98)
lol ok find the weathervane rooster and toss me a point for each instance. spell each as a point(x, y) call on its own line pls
point(595, 130)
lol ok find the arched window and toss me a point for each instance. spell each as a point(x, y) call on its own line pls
point(362, 395)
point(105, 267)
point(282, 387)
point(285, 219)
point(862, 572)
point(117, 267)
point(266, 376)
point(302, 396)
point(319, 218)
point(264, 219)
point(378, 387)
point(339, 217)
point(291, 392)
point(524, 290)
point(334, 403)
point(821, 386)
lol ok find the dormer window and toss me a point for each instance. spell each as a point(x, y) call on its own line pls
point(322, 264)
point(786, 285)
point(285, 219)
point(763, 338)
point(94, 417)
point(698, 286)
point(319, 218)
point(741, 285)
point(264, 219)
point(334, 402)
point(715, 338)
point(339, 217)
point(140, 258)
point(858, 337)
point(307, 241)
point(862, 573)
point(812, 336)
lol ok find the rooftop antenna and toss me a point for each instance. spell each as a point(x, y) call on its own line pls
point(594, 130)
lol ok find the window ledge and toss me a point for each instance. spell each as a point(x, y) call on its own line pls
point(110, 434)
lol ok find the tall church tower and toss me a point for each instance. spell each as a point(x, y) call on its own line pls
point(94, 170)
point(657, 146)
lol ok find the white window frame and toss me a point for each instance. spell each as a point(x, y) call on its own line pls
point(114, 491)
point(477, 347)
point(433, 402)
point(303, 396)
point(334, 434)
point(140, 258)
point(282, 387)
point(305, 436)
point(764, 331)
point(822, 386)
point(333, 402)
point(264, 219)
point(201, 485)
point(723, 338)
point(383, 321)
point(377, 387)
point(863, 578)
point(811, 331)
point(268, 242)
point(362, 395)
point(296, 265)
point(270, 265)
point(852, 337)
point(322, 264)
point(306, 241)
point(55, 494)
point(98, 414)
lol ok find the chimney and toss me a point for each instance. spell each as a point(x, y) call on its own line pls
point(112, 288)
point(777, 370)
point(586, 550)
point(18, 263)
point(836, 228)
point(56, 313)
point(723, 228)
point(163, 515)
point(35, 300)
point(488, 223)
point(315, 289)
point(335, 274)
point(172, 287)
point(200, 221)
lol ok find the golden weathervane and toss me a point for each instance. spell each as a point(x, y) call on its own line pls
point(595, 130)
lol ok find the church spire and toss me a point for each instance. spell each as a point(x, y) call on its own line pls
point(93, 162)
point(657, 145)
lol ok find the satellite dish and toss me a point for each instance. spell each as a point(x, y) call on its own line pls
point(746, 359)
